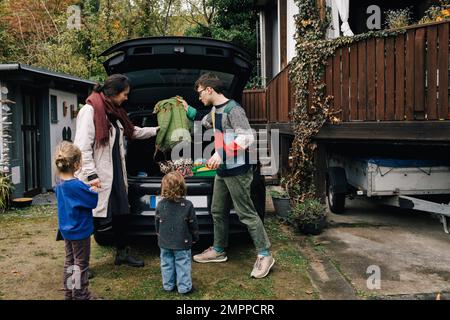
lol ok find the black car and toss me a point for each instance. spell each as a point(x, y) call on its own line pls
point(160, 68)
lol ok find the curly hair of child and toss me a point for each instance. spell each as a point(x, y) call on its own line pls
point(173, 186)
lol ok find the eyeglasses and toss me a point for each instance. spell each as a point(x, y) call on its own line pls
point(200, 92)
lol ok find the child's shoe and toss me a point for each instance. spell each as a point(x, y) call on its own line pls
point(123, 257)
point(188, 292)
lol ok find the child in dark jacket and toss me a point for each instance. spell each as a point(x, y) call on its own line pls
point(177, 229)
point(75, 222)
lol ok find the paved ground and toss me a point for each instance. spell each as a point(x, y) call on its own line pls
point(48, 198)
point(410, 248)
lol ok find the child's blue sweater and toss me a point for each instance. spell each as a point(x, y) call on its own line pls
point(75, 204)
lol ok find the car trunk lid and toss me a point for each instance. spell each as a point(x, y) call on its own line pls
point(162, 67)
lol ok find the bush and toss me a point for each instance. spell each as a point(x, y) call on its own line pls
point(396, 19)
point(278, 194)
point(5, 192)
point(437, 13)
point(308, 211)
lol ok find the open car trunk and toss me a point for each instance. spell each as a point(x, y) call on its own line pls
point(144, 191)
point(140, 153)
point(161, 68)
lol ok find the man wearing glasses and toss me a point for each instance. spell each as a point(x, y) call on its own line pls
point(232, 138)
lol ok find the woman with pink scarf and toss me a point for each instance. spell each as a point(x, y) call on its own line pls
point(102, 125)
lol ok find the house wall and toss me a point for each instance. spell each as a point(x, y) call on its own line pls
point(46, 153)
point(50, 134)
point(64, 121)
point(16, 148)
point(16, 152)
point(277, 36)
point(261, 43)
point(274, 25)
point(292, 10)
point(358, 11)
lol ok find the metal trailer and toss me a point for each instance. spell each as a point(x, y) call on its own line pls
point(395, 182)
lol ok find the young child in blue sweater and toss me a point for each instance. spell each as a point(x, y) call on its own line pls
point(177, 229)
point(75, 221)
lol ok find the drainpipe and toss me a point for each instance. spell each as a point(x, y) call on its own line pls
point(258, 49)
point(262, 47)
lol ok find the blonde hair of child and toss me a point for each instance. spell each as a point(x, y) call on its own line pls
point(173, 186)
point(67, 157)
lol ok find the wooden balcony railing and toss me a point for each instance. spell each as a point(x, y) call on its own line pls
point(404, 77)
point(396, 78)
point(280, 97)
point(254, 103)
point(272, 104)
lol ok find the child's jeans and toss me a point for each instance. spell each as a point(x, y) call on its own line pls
point(176, 265)
point(76, 265)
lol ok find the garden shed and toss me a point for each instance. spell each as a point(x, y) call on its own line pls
point(43, 107)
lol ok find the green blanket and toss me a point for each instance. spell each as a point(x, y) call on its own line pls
point(174, 125)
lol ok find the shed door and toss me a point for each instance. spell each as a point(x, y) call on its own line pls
point(30, 140)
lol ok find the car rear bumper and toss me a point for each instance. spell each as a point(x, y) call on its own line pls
point(142, 218)
point(144, 225)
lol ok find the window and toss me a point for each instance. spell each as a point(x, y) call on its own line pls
point(54, 108)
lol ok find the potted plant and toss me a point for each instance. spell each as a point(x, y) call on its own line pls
point(281, 202)
point(5, 192)
point(310, 216)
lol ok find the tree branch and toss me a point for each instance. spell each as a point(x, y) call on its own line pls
point(51, 18)
point(36, 25)
point(21, 32)
point(167, 17)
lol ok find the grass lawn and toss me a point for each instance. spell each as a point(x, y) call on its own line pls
point(31, 265)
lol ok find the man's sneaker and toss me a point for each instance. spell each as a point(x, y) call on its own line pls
point(262, 266)
point(210, 255)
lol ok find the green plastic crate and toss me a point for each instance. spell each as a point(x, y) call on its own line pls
point(209, 173)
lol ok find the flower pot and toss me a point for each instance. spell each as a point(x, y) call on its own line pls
point(21, 202)
point(282, 206)
point(313, 228)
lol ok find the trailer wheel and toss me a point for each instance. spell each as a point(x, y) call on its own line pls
point(336, 189)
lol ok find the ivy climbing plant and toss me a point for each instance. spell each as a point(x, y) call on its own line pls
point(313, 108)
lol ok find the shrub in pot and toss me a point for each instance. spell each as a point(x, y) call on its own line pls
point(281, 202)
point(309, 216)
point(6, 189)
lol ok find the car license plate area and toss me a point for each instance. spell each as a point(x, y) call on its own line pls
point(197, 201)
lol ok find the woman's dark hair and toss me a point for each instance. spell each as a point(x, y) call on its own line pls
point(114, 85)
